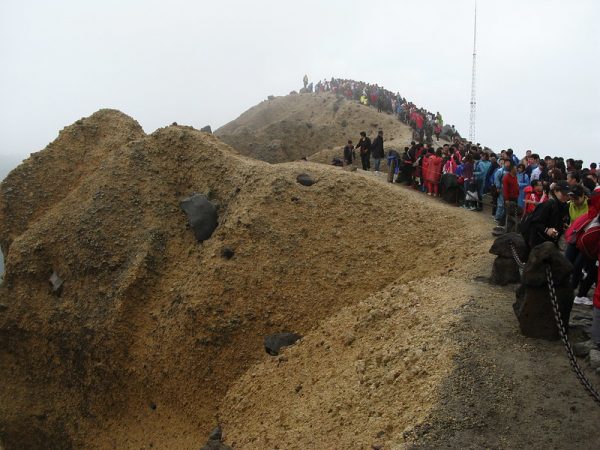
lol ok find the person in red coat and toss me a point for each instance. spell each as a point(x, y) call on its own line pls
point(435, 172)
point(510, 190)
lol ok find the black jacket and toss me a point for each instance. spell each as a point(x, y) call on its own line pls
point(550, 214)
point(364, 145)
point(377, 147)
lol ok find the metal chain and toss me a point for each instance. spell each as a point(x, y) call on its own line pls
point(520, 263)
point(563, 336)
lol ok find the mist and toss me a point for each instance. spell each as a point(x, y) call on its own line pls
point(199, 63)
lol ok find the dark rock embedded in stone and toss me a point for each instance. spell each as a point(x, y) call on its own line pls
point(305, 180)
point(227, 252)
point(215, 441)
point(202, 215)
point(274, 342)
point(206, 129)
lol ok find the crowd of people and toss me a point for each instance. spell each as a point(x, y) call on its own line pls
point(425, 124)
point(544, 198)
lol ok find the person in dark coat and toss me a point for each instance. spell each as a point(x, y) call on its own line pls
point(349, 154)
point(377, 150)
point(364, 147)
point(549, 219)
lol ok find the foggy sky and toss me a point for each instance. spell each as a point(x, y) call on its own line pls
point(201, 62)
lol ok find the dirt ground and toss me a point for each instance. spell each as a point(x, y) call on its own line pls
point(466, 379)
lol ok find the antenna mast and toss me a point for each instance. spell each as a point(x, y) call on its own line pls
point(473, 102)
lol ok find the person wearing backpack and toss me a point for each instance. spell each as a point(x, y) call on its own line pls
point(547, 222)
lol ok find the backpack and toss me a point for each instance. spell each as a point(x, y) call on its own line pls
point(587, 238)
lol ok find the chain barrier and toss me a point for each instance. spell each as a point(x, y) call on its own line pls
point(562, 332)
point(520, 263)
point(563, 336)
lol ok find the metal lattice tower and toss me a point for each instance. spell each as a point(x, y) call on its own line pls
point(473, 101)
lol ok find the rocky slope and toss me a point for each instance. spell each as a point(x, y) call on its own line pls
point(295, 126)
point(150, 328)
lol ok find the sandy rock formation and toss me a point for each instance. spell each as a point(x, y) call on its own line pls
point(150, 327)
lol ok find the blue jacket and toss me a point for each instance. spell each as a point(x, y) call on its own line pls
point(481, 169)
point(523, 180)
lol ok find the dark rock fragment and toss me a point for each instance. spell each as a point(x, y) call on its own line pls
point(202, 215)
point(274, 342)
point(305, 180)
point(215, 439)
point(227, 252)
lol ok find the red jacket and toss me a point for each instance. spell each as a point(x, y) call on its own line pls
point(530, 194)
point(419, 121)
point(435, 169)
point(510, 187)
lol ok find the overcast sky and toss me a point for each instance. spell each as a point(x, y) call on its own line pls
point(205, 62)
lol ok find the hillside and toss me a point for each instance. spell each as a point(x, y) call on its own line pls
point(295, 126)
point(143, 305)
point(154, 337)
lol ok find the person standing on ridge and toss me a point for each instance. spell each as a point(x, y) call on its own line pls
point(364, 146)
point(510, 192)
point(305, 80)
point(377, 150)
point(547, 222)
point(349, 154)
point(482, 167)
point(524, 181)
